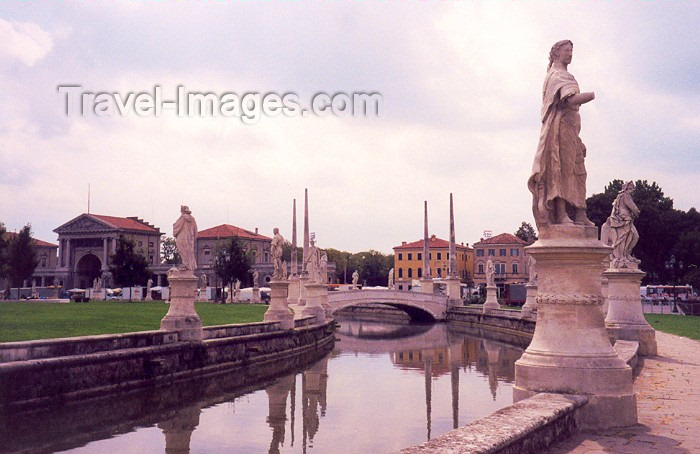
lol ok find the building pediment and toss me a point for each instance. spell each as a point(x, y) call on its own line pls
point(84, 224)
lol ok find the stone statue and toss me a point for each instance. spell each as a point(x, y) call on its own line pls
point(313, 262)
point(284, 270)
point(532, 270)
point(490, 274)
point(185, 233)
point(619, 230)
point(97, 284)
point(276, 251)
point(355, 278)
point(558, 180)
point(237, 287)
point(324, 267)
point(390, 283)
point(55, 282)
point(149, 285)
point(255, 278)
point(203, 281)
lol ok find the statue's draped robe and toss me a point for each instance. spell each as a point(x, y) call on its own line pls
point(185, 232)
point(558, 170)
point(619, 230)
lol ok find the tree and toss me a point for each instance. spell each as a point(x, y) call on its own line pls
point(128, 267)
point(21, 257)
point(3, 251)
point(231, 262)
point(341, 260)
point(168, 252)
point(527, 233)
point(373, 266)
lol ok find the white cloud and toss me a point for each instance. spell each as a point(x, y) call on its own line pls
point(24, 41)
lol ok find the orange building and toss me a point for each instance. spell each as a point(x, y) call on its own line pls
point(408, 261)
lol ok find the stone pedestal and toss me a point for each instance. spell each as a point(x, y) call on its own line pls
point(315, 294)
point(97, 294)
point(530, 306)
point(294, 293)
point(454, 296)
point(178, 430)
point(279, 309)
point(604, 291)
point(491, 299)
point(202, 295)
point(303, 281)
point(426, 286)
point(182, 316)
point(570, 352)
point(256, 295)
point(625, 319)
point(149, 297)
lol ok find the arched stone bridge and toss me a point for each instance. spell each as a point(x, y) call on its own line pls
point(416, 304)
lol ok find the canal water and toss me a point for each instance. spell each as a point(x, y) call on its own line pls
point(383, 387)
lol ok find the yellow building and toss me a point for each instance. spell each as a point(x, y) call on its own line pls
point(408, 261)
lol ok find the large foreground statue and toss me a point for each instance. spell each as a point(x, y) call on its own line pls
point(558, 180)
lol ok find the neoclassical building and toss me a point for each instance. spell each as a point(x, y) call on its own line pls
point(507, 252)
point(86, 242)
point(45, 270)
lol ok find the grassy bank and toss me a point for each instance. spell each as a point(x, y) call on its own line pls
point(682, 325)
point(34, 320)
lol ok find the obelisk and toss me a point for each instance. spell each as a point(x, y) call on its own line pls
point(426, 282)
point(453, 285)
point(294, 265)
point(304, 278)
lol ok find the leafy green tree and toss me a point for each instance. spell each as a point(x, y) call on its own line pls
point(372, 266)
point(21, 257)
point(231, 262)
point(3, 251)
point(341, 260)
point(168, 252)
point(128, 268)
point(527, 233)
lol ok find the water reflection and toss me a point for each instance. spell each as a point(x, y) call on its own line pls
point(383, 387)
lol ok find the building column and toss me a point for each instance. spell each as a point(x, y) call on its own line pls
point(67, 253)
point(104, 253)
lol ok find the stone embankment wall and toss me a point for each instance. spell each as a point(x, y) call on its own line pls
point(38, 373)
point(529, 426)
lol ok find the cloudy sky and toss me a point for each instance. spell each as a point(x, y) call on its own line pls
point(461, 85)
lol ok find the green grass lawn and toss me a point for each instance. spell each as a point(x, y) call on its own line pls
point(682, 325)
point(34, 320)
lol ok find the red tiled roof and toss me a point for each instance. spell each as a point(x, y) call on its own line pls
point(503, 238)
point(228, 231)
point(35, 242)
point(433, 243)
point(125, 223)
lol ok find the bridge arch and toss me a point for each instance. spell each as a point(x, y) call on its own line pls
point(419, 306)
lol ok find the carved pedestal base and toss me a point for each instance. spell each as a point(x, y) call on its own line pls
point(256, 295)
point(97, 294)
point(454, 296)
point(303, 281)
point(202, 295)
point(315, 294)
point(625, 319)
point(279, 309)
point(604, 291)
point(530, 307)
point(426, 286)
point(491, 299)
point(294, 293)
point(182, 316)
point(570, 352)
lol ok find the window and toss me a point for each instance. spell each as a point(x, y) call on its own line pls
point(410, 256)
point(448, 256)
point(502, 252)
point(430, 255)
point(140, 243)
point(150, 244)
point(515, 268)
point(501, 269)
point(266, 257)
point(400, 273)
point(43, 261)
point(439, 272)
point(514, 252)
point(439, 255)
point(400, 256)
point(207, 251)
point(410, 272)
point(479, 252)
point(420, 272)
point(492, 252)
point(481, 268)
point(420, 256)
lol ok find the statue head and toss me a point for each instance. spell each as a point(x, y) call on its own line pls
point(554, 52)
point(184, 209)
point(276, 231)
point(628, 187)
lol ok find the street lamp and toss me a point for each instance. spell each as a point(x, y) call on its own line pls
point(671, 265)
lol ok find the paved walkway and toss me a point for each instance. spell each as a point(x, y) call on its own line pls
point(668, 404)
